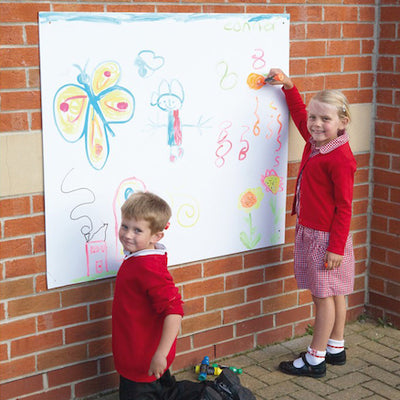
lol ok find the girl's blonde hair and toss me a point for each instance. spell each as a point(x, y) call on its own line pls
point(337, 99)
point(149, 207)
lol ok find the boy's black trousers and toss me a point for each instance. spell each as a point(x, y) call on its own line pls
point(165, 388)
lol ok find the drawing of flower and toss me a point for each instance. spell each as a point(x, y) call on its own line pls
point(272, 181)
point(250, 200)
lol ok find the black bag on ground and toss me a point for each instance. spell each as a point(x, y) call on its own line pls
point(228, 385)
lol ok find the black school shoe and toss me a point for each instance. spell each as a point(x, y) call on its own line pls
point(229, 387)
point(314, 371)
point(336, 359)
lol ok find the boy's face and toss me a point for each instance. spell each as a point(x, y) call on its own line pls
point(135, 235)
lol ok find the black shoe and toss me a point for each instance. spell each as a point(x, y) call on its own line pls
point(229, 387)
point(336, 359)
point(314, 371)
point(210, 394)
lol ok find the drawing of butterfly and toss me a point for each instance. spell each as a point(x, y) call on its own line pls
point(88, 109)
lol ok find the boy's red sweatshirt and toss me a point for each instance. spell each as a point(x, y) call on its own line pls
point(144, 294)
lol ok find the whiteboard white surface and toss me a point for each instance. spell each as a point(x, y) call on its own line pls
point(160, 102)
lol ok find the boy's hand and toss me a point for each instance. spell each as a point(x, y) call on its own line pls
point(280, 78)
point(158, 365)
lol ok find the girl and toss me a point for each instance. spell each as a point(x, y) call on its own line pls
point(323, 259)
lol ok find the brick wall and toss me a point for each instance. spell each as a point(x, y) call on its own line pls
point(384, 274)
point(56, 344)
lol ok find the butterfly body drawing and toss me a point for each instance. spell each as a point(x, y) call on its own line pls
point(89, 108)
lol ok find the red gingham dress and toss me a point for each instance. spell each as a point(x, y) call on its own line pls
point(310, 249)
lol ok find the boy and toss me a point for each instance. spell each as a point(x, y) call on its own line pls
point(147, 308)
point(147, 313)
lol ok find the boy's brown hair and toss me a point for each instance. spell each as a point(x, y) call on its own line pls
point(149, 207)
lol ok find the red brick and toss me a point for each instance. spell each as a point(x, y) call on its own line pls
point(263, 257)
point(100, 310)
point(87, 293)
point(185, 273)
point(225, 299)
point(183, 344)
point(224, 265)
point(356, 298)
point(62, 318)
point(17, 57)
point(25, 100)
point(302, 14)
point(100, 347)
point(194, 306)
point(16, 368)
point(16, 288)
point(25, 266)
point(13, 79)
point(23, 226)
point(63, 393)
point(376, 284)
point(61, 356)
point(213, 336)
point(244, 279)
point(21, 387)
point(320, 31)
point(242, 312)
point(33, 304)
point(79, 7)
point(12, 122)
point(264, 290)
point(11, 35)
point(340, 13)
point(390, 14)
point(15, 248)
point(255, 325)
point(240, 345)
point(385, 302)
point(279, 303)
point(32, 34)
point(33, 344)
point(84, 332)
point(295, 315)
point(274, 335)
point(202, 288)
point(14, 329)
point(357, 64)
point(201, 322)
point(278, 271)
point(14, 207)
point(21, 12)
point(303, 49)
point(358, 30)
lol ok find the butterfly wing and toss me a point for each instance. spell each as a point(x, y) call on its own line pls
point(70, 108)
point(97, 147)
point(117, 104)
point(105, 76)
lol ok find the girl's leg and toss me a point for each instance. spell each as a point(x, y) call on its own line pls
point(340, 318)
point(324, 322)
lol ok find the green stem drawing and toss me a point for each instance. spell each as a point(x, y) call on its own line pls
point(251, 240)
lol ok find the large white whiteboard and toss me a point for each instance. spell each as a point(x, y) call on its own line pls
point(160, 102)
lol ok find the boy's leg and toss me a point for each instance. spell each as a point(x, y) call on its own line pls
point(129, 390)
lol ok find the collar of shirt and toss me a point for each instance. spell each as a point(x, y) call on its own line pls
point(332, 145)
point(159, 249)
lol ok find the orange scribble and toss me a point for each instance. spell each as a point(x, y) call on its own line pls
point(255, 81)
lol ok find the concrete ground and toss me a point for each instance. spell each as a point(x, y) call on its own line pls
point(372, 370)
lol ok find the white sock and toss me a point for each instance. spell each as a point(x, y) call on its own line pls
point(335, 346)
point(313, 357)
